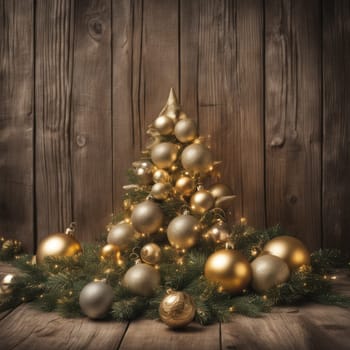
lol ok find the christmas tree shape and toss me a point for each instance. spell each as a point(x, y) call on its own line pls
point(171, 252)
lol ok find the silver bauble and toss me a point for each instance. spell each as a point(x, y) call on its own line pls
point(147, 217)
point(197, 158)
point(183, 231)
point(120, 235)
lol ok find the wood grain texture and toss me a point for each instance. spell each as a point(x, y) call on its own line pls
point(155, 335)
point(222, 81)
point(293, 117)
point(91, 118)
point(53, 88)
point(336, 124)
point(30, 329)
point(16, 120)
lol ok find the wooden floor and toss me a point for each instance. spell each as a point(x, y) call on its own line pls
point(308, 327)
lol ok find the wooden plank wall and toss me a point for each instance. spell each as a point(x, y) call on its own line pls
point(81, 80)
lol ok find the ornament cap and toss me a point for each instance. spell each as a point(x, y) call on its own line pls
point(71, 229)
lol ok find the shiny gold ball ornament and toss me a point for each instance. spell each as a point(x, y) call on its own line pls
point(110, 252)
point(219, 232)
point(164, 125)
point(177, 309)
point(185, 130)
point(121, 235)
point(96, 299)
point(6, 284)
point(147, 217)
point(184, 186)
point(202, 201)
point(161, 190)
point(58, 245)
point(183, 231)
point(164, 154)
point(161, 175)
point(142, 279)
point(230, 269)
point(151, 253)
point(197, 158)
point(289, 249)
point(268, 271)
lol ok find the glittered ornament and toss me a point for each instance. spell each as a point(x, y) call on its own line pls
point(185, 130)
point(177, 309)
point(289, 249)
point(230, 269)
point(164, 154)
point(164, 125)
point(161, 190)
point(96, 299)
point(183, 231)
point(110, 252)
point(147, 217)
point(184, 186)
point(268, 271)
point(58, 245)
point(121, 235)
point(142, 279)
point(150, 253)
point(202, 201)
point(161, 175)
point(219, 232)
point(6, 284)
point(197, 158)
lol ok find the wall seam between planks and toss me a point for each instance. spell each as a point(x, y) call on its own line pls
point(179, 46)
point(34, 199)
point(111, 106)
point(322, 125)
point(264, 110)
point(123, 336)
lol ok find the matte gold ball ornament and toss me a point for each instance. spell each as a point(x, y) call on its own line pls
point(161, 191)
point(289, 249)
point(6, 284)
point(147, 217)
point(110, 252)
point(230, 269)
point(161, 175)
point(177, 309)
point(58, 245)
point(164, 125)
point(151, 253)
point(164, 154)
point(202, 201)
point(184, 186)
point(183, 231)
point(185, 130)
point(120, 235)
point(197, 158)
point(142, 279)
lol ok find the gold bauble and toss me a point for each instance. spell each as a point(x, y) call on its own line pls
point(121, 235)
point(147, 217)
point(183, 231)
point(201, 202)
point(164, 125)
point(150, 253)
point(177, 309)
point(268, 271)
point(161, 175)
point(185, 130)
point(58, 245)
point(220, 190)
point(142, 279)
point(230, 269)
point(161, 191)
point(197, 158)
point(164, 154)
point(184, 185)
point(6, 283)
point(289, 249)
point(110, 252)
point(219, 232)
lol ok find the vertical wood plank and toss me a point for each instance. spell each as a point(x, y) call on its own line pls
point(91, 118)
point(336, 126)
point(223, 50)
point(53, 70)
point(293, 117)
point(16, 120)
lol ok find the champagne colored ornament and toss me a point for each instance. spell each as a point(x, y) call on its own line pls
point(147, 217)
point(142, 279)
point(151, 253)
point(289, 249)
point(161, 191)
point(161, 175)
point(185, 130)
point(110, 252)
point(202, 201)
point(230, 269)
point(177, 309)
point(185, 185)
point(268, 271)
point(219, 232)
point(172, 108)
point(96, 299)
point(6, 283)
point(121, 235)
point(58, 245)
point(183, 231)
point(164, 154)
point(197, 158)
point(164, 125)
